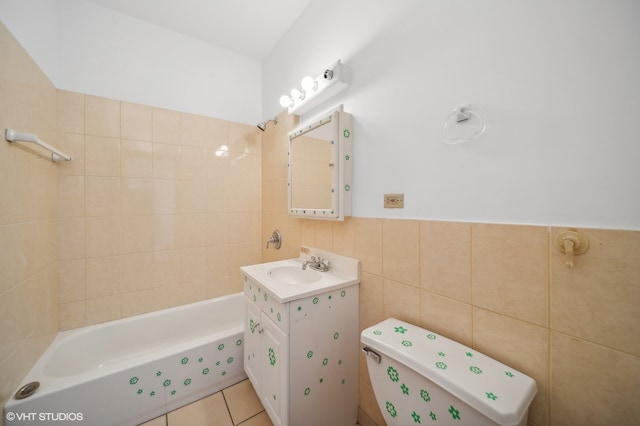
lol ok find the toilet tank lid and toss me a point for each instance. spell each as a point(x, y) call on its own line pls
point(498, 391)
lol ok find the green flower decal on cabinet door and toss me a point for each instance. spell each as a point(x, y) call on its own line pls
point(393, 374)
point(272, 357)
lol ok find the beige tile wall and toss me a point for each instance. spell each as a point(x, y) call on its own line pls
point(502, 289)
point(28, 208)
point(158, 208)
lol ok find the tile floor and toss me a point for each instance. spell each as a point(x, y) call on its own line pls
point(233, 406)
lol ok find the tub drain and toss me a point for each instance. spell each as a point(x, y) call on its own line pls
point(27, 390)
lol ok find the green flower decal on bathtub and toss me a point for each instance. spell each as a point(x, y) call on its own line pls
point(510, 374)
point(205, 371)
point(400, 329)
point(431, 336)
point(441, 365)
point(307, 391)
point(491, 396)
point(475, 370)
point(229, 360)
point(454, 413)
point(393, 374)
point(425, 395)
point(166, 383)
point(133, 380)
point(184, 360)
point(391, 409)
point(405, 389)
point(200, 359)
point(416, 417)
point(140, 391)
point(187, 382)
point(433, 416)
point(238, 342)
point(159, 373)
point(309, 354)
point(152, 393)
point(221, 346)
point(406, 343)
point(173, 392)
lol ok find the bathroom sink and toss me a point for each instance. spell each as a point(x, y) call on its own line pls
point(294, 275)
point(285, 280)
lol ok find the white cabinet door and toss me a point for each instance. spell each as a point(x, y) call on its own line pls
point(252, 341)
point(274, 359)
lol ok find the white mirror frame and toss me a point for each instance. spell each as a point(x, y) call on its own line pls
point(341, 176)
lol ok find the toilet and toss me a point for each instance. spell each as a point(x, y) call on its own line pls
point(420, 377)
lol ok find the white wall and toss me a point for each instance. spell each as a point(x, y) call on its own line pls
point(558, 82)
point(93, 50)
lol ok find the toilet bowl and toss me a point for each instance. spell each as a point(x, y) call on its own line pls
point(420, 377)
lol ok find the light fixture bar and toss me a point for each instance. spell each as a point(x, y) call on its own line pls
point(329, 83)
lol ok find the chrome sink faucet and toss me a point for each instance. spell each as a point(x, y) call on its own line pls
point(318, 264)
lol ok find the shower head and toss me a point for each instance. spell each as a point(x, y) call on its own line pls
point(263, 126)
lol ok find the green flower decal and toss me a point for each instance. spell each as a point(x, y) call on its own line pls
point(309, 354)
point(441, 365)
point(343, 293)
point(433, 416)
point(336, 335)
point(347, 188)
point(221, 346)
point(425, 395)
point(491, 395)
point(441, 354)
point(200, 359)
point(252, 326)
point(431, 336)
point(133, 380)
point(509, 373)
point(391, 409)
point(325, 361)
point(187, 382)
point(377, 332)
point(166, 383)
point(347, 157)
point(454, 413)
point(469, 354)
point(307, 391)
point(159, 373)
point(405, 389)
point(173, 392)
point(205, 371)
point(416, 417)
point(229, 360)
point(475, 370)
point(272, 356)
point(406, 343)
point(279, 316)
point(346, 133)
point(315, 300)
point(400, 329)
point(140, 391)
point(152, 393)
point(239, 342)
point(393, 374)
point(184, 360)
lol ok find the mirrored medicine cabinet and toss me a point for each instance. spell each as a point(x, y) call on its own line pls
point(320, 167)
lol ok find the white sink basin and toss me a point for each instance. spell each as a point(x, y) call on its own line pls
point(285, 280)
point(294, 275)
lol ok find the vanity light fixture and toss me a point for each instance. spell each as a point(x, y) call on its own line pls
point(316, 90)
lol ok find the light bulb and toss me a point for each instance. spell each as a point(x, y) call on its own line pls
point(297, 94)
point(309, 84)
point(285, 101)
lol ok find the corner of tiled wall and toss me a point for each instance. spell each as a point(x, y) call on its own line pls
point(28, 209)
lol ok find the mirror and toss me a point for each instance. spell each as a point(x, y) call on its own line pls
point(320, 168)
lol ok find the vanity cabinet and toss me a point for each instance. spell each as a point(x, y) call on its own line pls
point(302, 356)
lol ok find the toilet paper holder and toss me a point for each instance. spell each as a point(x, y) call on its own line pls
point(571, 243)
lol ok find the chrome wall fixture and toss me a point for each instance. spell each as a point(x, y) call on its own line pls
point(314, 91)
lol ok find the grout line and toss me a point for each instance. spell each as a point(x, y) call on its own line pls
point(224, 397)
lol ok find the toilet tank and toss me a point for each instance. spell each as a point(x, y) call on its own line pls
point(422, 364)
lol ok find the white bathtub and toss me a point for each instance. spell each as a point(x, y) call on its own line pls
point(128, 371)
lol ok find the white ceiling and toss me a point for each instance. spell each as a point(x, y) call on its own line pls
point(248, 27)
